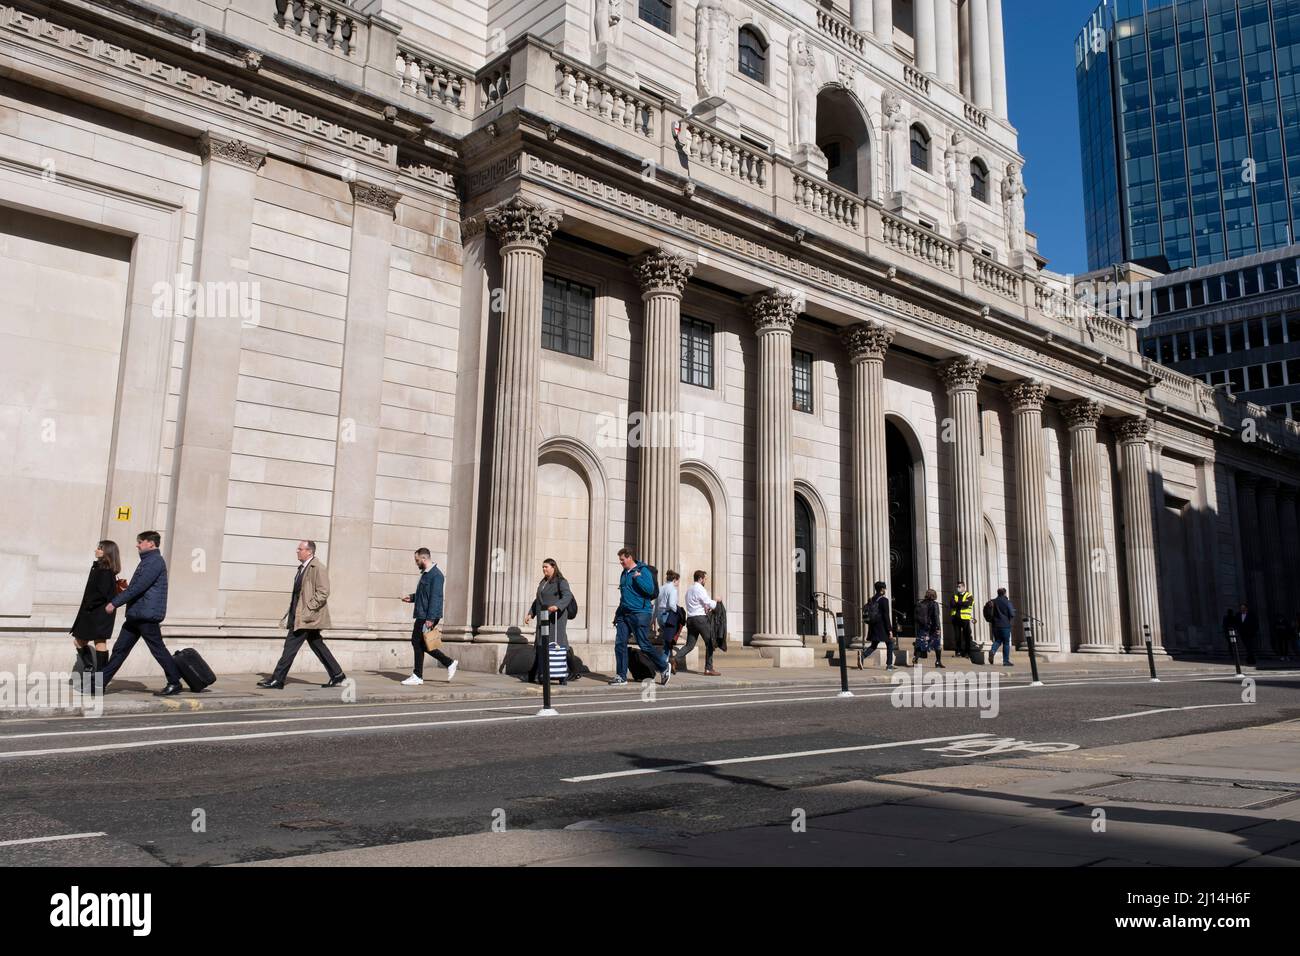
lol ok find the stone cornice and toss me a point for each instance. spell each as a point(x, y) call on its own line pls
point(775, 310)
point(374, 196)
point(521, 222)
point(1027, 395)
point(1082, 413)
point(962, 373)
point(1132, 431)
point(662, 272)
point(237, 152)
point(867, 341)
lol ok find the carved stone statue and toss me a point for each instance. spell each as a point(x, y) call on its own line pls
point(714, 49)
point(897, 133)
point(1013, 207)
point(608, 21)
point(957, 176)
point(803, 81)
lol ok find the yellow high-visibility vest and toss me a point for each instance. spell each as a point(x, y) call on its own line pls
point(962, 613)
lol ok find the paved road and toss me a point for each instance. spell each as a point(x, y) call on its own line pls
point(268, 784)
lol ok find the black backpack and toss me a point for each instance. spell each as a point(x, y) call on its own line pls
point(871, 612)
point(988, 610)
point(573, 606)
point(654, 578)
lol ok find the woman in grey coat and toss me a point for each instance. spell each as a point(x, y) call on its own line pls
point(553, 595)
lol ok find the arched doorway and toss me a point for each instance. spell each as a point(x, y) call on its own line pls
point(901, 476)
point(842, 135)
point(805, 543)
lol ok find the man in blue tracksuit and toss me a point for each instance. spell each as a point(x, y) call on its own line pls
point(636, 597)
point(146, 606)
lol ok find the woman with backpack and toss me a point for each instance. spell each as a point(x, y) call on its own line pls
point(553, 595)
point(929, 627)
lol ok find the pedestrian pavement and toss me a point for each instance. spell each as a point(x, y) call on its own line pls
point(1227, 798)
point(127, 696)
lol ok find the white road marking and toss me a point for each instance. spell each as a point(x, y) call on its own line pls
point(1168, 710)
point(52, 839)
point(673, 768)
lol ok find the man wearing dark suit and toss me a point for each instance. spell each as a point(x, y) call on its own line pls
point(880, 624)
point(1247, 627)
point(306, 618)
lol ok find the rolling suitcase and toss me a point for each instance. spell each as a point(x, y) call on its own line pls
point(194, 669)
point(559, 663)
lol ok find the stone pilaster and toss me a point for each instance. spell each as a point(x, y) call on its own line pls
point(1271, 564)
point(1037, 587)
point(1251, 546)
point(867, 343)
point(961, 377)
point(1092, 562)
point(1139, 532)
point(1286, 507)
point(523, 230)
point(361, 402)
point(206, 421)
point(663, 276)
point(774, 315)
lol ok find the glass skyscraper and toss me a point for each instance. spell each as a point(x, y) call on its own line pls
point(1189, 120)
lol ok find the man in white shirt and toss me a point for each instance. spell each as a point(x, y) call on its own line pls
point(667, 616)
point(698, 606)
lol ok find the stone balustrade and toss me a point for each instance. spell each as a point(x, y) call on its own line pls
point(326, 22)
point(426, 77)
point(841, 32)
point(720, 152)
point(827, 202)
point(976, 116)
point(916, 79)
point(919, 243)
point(614, 103)
point(996, 278)
point(493, 84)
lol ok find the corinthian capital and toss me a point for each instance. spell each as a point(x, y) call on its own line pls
point(235, 151)
point(1082, 413)
point(520, 221)
point(867, 341)
point(962, 373)
point(775, 311)
point(1026, 395)
point(1132, 431)
point(661, 272)
point(376, 197)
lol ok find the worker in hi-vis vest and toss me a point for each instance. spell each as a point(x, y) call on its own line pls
point(961, 610)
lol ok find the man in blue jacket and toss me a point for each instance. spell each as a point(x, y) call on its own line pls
point(428, 612)
point(1003, 614)
point(636, 597)
point(146, 606)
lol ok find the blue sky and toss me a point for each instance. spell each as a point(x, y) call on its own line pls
point(1040, 85)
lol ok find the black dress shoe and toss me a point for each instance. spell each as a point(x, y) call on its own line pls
point(335, 681)
point(271, 683)
point(170, 689)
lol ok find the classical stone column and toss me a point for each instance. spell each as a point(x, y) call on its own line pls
point(981, 55)
point(1290, 558)
point(360, 402)
point(663, 276)
point(867, 343)
point(523, 229)
point(927, 52)
point(1270, 523)
point(1139, 532)
point(774, 315)
point(206, 421)
point(1037, 587)
point(946, 50)
point(860, 15)
point(1251, 545)
point(961, 377)
point(998, 59)
point(1092, 562)
point(882, 21)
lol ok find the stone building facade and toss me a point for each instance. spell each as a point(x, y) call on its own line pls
point(391, 274)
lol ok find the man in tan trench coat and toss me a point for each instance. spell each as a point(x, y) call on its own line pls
point(306, 618)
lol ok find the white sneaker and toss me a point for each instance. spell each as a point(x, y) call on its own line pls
point(413, 681)
point(451, 669)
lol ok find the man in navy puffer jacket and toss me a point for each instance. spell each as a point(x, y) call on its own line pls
point(146, 606)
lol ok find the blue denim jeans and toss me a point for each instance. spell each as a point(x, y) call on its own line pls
point(1001, 635)
point(631, 624)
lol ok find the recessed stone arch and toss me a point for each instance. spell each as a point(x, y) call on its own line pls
point(919, 501)
point(553, 491)
point(819, 560)
point(705, 481)
point(846, 136)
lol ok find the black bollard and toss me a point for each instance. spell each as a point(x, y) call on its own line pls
point(1151, 654)
point(1236, 654)
point(544, 640)
point(1033, 656)
point(844, 656)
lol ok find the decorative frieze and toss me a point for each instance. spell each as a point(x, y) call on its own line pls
point(520, 221)
point(867, 341)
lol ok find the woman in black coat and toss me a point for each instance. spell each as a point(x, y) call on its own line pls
point(93, 624)
point(554, 595)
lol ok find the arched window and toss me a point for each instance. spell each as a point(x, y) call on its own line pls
point(920, 148)
point(979, 181)
point(753, 54)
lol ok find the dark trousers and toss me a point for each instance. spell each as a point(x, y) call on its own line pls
point(697, 627)
point(961, 638)
point(133, 631)
point(668, 635)
point(890, 644)
point(417, 641)
point(293, 643)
